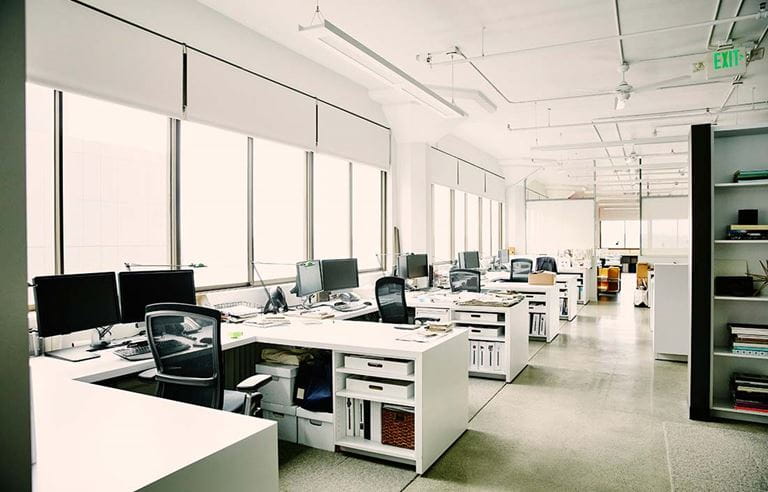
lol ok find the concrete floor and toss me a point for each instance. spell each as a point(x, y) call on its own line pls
point(593, 411)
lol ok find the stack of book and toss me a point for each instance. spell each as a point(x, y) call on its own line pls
point(748, 231)
point(751, 175)
point(750, 392)
point(749, 339)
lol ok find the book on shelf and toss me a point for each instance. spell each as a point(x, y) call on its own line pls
point(749, 339)
point(750, 175)
point(750, 392)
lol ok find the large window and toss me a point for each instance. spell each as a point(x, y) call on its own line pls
point(366, 216)
point(331, 207)
point(213, 169)
point(279, 208)
point(441, 223)
point(40, 192)
point(496, 227)
point(473, 223)
point(459, 222)
point(485, 210)
point(116, 193)
point(620, 234)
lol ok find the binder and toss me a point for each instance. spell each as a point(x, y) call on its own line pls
point(375, 421)
point(497, 354)
point(482, 356)
point(474, 355)
point(350, 412)
point(491, 350)
point(366, 419)
point(360, 417)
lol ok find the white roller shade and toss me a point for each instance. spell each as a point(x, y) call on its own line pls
point(664, 226)
point(442, 168)
point(229, 97)
point(494, 187)
point(345, 135)
point(73, 48)
point(554, 225)
point(471, 179)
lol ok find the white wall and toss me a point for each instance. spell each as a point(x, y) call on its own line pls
point(554, 225)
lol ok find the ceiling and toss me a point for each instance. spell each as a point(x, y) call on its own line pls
point(404, 31)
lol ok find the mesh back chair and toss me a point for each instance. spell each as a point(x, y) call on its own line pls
point(195, 374)
point(390, 297)
point(546, 263)
point(463, 280)
point(519, 268)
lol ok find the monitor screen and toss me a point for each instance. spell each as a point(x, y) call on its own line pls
point(339, 274)
point(69, 303)
point(309, 279)
point(417, 265)
point(469, 259)
point(520, 268)
point(140, 289)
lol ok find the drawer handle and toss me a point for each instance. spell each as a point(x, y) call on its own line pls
point(375, 387)
point(375, 364)
point(475, 330)
point(316, 423)
point(475, 315)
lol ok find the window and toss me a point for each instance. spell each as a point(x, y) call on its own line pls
point(116, 192)
point(366, 216)
point(279, 208)
point(40, 193)
point(632, 234)
point(495, 228)
point(459, 222)
point(486, 227)
point(441, 223)
point(473, 223)
point(620, 234)
point(213, 169)
point(331, 181)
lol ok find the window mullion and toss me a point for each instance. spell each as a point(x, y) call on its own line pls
point(250, 218)
point(58, 180)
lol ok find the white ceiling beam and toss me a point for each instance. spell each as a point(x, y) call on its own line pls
point(614, 143)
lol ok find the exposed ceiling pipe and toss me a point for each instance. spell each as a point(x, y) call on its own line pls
point(712, 27)
point(494, 86)
point(736, 81)
point(618, 31)
point(614, 143)
point(637, 34)
point(733, 24)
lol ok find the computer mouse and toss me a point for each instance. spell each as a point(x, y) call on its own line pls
point(206, 340)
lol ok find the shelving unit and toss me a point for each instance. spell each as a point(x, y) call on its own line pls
point(569, 296)
point(543, 302)
point(716, 154)
point(586, 282)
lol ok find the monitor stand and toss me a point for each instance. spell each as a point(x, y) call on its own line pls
point(72, 354)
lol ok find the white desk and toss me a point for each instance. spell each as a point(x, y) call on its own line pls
point(440, 379)
point(569, 291)
point(670, 316)
point(586, 278)
point(543, 306)
point(513, 342)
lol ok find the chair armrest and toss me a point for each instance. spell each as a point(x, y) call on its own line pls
point(148, 375)
point(254, 382)
point(424, 319)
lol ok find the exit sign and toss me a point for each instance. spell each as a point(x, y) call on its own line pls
point(729, 62)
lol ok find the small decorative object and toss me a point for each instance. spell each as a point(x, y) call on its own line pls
point(761, 277)
point(748, 216)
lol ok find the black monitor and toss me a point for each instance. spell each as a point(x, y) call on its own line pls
point(69, 303)
point(339, 274)
point(469, 259)
point(140, 289)
point(309, 279)
point(519, 269)
point(413, 266)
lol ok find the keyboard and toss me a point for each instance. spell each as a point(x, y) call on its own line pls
point(141, 351)
point(345, 308)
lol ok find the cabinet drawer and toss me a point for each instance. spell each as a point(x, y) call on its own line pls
point(383, 366)
point(443, 315)
point(468, 316)
point(485, 331)
point(397, 389)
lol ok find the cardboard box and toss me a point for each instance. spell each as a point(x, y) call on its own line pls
point(542, 278)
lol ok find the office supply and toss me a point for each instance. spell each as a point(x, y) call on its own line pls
point(76, 302)
point(275, 298)
point(242, 311)
point(309, 278)
point(542, 278)
point(346, 307)
point(748, 216)
point(749, 392)
point(749, 339)
point(738, 286)
point(142, 351)
point(469, 259)
point(397, 426)
point(142, 288)
point(464, 280)
point(285, 416)
point(747, 232)
point(750, 175)
point(282, 388)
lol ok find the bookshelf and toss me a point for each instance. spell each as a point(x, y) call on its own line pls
point(716, 154)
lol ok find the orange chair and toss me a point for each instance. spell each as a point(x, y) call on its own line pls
point(614, 280)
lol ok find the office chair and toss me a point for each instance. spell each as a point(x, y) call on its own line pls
point(463, 280)
point(196, 374)
point(519, 268)
point(390, 297)
point(546, 263)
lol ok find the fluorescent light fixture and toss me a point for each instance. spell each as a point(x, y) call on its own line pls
point(352, 50)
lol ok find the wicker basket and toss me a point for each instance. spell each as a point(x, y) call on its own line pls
point(397, 428)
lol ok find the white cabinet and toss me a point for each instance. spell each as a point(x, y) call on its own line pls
point(670, 318)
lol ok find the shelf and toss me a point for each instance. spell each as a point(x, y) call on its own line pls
point(741, 241)
point(377, 374)
point(486, 339)
point(362, 444)
point(741, 185)
point(727, 406)
point(746, 299)
point(724, 352)
point(407, 402)
point(478, 323)
point(484, 372)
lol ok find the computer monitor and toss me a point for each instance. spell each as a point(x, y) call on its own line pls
point(413, 266)
point(503, 256)
point(309, 279)
point(519, 269)
point(469, 259)
point(140, 289)
point(76, 302)
point(339, 274)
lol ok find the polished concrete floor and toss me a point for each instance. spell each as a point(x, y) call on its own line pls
point(593, 411)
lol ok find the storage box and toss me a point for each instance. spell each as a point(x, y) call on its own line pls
point(485, 331)
point(285, 416)
point(382, 366)
point(280, 390)
point(542, 278)
point(391, 388)
point(465, 316)
point(397, 427)
point(315, 429)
